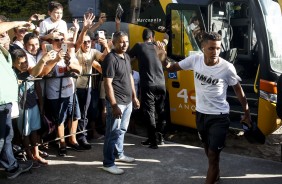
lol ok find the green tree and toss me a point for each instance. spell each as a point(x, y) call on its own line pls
point(23, 9)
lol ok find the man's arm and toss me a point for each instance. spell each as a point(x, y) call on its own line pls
point(72, 63)
point(37, 69)
point(170, 66)
point(117, 20)
point(51, 63)
point(98, 24)
point(75, 66)
point(6, 26)
point(136, 103)
point(104, 42)
point(97, 66)
point(87, 23)
point(111, 97)
point(243, 100)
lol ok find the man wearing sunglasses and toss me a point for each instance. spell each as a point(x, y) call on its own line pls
point(87, 58)
point(61, 101)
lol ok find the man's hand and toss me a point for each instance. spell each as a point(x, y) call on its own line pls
point(75, 24)
point(103, 41)
point(136, 103)
point(247, 119)
point(116, 112)
point(88, 20)
point(51, 55)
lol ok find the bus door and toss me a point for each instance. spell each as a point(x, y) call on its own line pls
point(184, 23)
point(234, 21)
point(250, 41)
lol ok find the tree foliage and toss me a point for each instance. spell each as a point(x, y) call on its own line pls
point(23, 9)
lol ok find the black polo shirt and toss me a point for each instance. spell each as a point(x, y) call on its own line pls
point(119, 69)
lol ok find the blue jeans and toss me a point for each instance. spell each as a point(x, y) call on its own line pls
point(7, 159)
point(115, 131)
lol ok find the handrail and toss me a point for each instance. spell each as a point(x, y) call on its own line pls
point(255, 86)
point(63, 76)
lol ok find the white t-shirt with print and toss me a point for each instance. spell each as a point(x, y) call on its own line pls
point(211, 83)
point(86, 60)
point(47, 25)
point(53, 85)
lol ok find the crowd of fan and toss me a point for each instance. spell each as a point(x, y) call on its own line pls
point(67, 62)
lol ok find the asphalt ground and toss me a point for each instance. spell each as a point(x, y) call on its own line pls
point(171, 163)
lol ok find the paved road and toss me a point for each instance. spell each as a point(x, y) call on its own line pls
point(170, 164)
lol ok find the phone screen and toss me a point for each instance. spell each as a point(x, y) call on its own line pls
point(64, 47)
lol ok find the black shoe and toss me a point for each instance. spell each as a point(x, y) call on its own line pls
point(23, 167)
point(153, 146)
point(146, 143)
point(62, 151)
point(76, 147)
point(85, 145)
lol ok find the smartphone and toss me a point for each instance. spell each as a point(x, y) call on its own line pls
point(101, 34)
point(64, 47)
point(113, 35)
point(49, 47)
point(119, 11)
point(103, 15)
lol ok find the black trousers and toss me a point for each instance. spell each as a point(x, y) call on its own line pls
point(153, 102)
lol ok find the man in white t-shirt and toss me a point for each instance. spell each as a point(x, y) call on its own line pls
point(212, 76)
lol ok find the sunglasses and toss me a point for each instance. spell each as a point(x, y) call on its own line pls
point(58, 40)
point(87, 41)
point(22, 30)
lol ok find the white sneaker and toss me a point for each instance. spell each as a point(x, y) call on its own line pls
point(125, 159)
point(113, 170)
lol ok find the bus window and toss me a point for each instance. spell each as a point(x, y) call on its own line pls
point(273, 21)
point(186, 26)
point(147, 13)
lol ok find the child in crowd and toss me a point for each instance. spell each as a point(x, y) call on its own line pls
point(29, 119)
point(53, 26)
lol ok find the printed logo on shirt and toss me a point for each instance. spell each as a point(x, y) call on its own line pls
point(62, 70)
point(65, 87)
point(206, 79)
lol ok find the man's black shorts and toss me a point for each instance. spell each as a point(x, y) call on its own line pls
point(212, 129)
